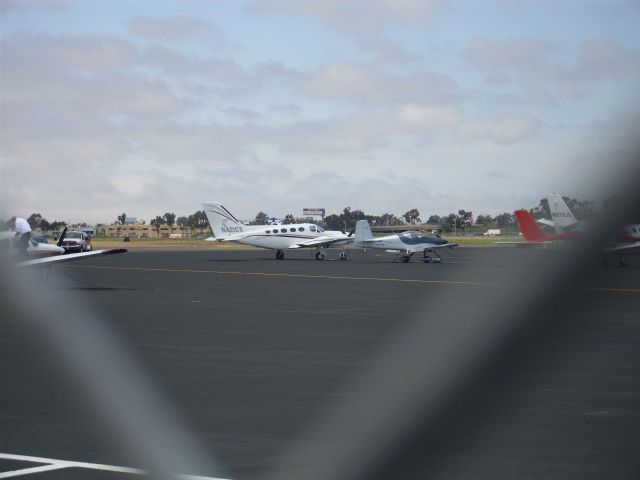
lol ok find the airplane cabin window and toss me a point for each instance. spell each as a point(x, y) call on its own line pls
point(292, 229)
point(283, 230)
point(268, 231)
point(312, 228)
point(301, 229)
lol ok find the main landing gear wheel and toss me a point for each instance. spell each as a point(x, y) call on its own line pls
point(343, 256)
point(319, 256)
point(404, 259)
point(279, 254)
point(427, 259)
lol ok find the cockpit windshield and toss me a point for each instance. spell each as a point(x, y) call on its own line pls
point(320, 229)
point(412, 234)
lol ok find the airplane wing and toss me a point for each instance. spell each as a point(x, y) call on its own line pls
point(69, 258)
point(324, 240)
point(625, 248)
point(422, 247)
point(446, 245)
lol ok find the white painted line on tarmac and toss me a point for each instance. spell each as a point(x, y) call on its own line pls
point(55, 464)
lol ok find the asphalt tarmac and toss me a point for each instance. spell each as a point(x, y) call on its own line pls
point(250, 350)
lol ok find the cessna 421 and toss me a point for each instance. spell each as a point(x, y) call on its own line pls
point(409, 242)
point(227, 228)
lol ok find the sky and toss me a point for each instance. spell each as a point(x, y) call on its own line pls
point(147, 107)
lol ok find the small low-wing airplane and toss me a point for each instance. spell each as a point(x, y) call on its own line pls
point(227, 228)
point(34, 249)
point(408, 242)
point(628, 244)
point(46, 254)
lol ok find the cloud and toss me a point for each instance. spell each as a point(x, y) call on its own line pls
point(506, 130)
point(223, 76)
point(9, 5)
point(356, 16)
point(606, 59)
point(494, 54)
point(39, 53)
point(386, 51)
point(453, 125)
point(357, 133)
point(547, 74)
point(364, 84)
point(171, 29)
point(497, 175)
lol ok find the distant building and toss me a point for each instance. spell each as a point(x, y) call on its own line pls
point(130, 220)
point(142, 231)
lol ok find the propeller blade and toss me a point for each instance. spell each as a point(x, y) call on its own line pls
point(61, 239)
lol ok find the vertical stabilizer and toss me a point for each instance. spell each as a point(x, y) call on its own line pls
point(529, 228)
point(223, 223)
point(363, 232)
point(560, 213)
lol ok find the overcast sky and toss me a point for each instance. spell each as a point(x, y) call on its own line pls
point(151, 106)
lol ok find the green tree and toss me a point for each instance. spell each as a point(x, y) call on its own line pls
point(333, 222)
point(200, 220)
point(465, 218)
point(36, 220)
point(169, 219)
point(156, 223)
point(261, 219)
point(450, 222)
point(505, 220)
point(55, 225)
point(122, 218)
point(484, 220)
point(435, 220)
point(389, 219)
point(288, 219)
point(412, 216)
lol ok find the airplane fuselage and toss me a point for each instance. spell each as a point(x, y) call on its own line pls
point(406, 243)
point(280, 237)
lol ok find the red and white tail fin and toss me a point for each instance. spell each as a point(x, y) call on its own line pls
point(529, 228)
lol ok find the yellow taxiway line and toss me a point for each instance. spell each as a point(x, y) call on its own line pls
point(293, 275)
point(334, 277)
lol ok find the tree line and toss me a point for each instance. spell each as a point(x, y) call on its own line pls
point(196, 221)
point(347, 219)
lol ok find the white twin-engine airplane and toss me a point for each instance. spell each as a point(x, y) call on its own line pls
point(408, 242)
point(227, 228)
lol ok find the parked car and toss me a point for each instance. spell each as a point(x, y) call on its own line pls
point(76, 242)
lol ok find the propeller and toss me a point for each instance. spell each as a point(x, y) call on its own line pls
point(61, 239)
